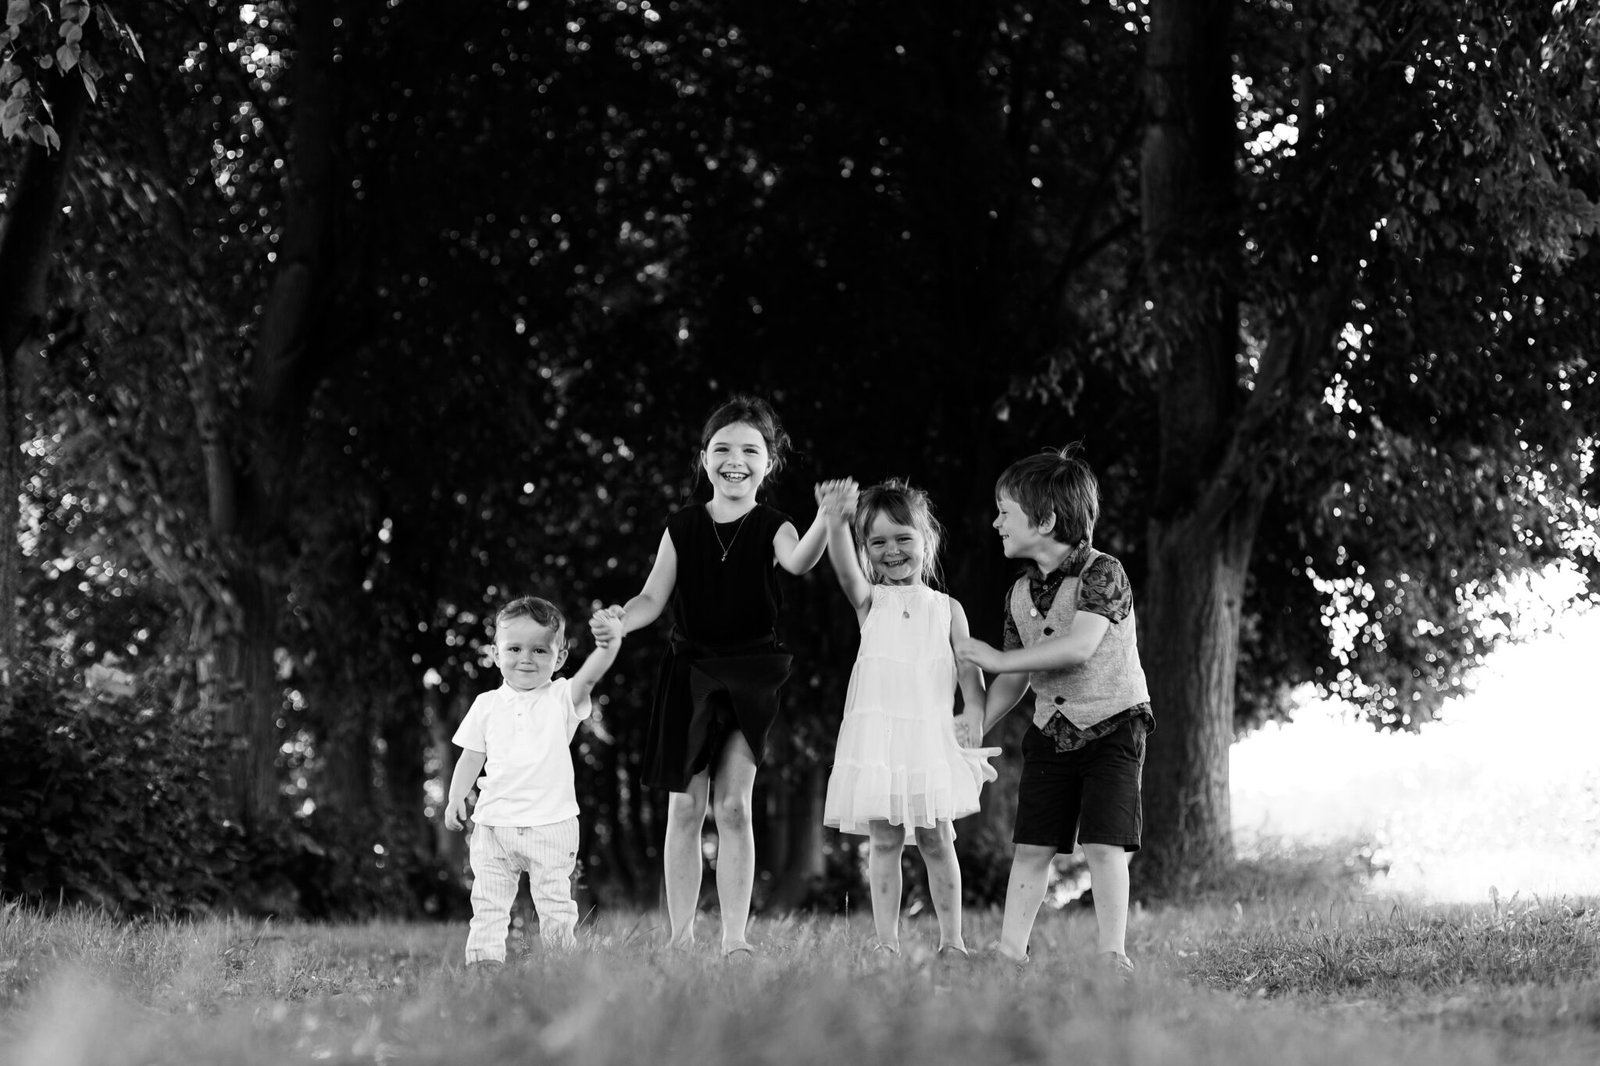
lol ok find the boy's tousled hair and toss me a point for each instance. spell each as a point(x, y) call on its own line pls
point(756, 413)
point(905, 505)
point(542, 611)
point(1055, 481)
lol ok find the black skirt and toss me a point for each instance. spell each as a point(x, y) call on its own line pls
point(704, 694)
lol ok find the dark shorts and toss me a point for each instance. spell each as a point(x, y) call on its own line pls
point(1088, 796)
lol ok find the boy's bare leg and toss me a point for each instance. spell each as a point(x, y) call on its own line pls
point(1030, 876)
point(938, 847)
point(1108, 880)
point(681, 860)
point(736, 840)
point(885, 843)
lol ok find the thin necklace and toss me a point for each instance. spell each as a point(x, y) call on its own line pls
point(728, 546)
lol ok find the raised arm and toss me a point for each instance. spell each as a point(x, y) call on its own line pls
point(798, 554)
point(836, 500)
point(599, 660)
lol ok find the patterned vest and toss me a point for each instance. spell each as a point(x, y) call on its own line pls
point(1111, 681)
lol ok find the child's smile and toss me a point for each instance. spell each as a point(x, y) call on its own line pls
point(527, 653)
point(895, 551)
point(735, 460)
point(1019, 537)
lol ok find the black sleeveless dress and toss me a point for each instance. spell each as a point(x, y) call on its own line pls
point(724, 666)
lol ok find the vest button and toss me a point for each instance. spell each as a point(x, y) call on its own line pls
point(1048, 631)
point(1033, 612)
point(1061, 699)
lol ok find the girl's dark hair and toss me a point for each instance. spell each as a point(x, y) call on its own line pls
point(906, 506)
point(756, 413)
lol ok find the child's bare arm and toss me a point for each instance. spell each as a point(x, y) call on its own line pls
point(969, 679)
point(647, 606)
point(1004, 693)
point(465, 775)
point(608, 639)
point(798, 554)
point(1072, 648)
point(836, 499)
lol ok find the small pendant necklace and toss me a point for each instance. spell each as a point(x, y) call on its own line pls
point(726, 548)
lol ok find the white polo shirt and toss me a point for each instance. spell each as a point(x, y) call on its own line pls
point(527, 739)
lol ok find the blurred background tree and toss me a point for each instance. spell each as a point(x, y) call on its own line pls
point(355, 320)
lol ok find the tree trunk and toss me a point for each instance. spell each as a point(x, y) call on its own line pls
point(250, 499)
point(33, 207)
point(346, 748)
point(447, 712)
point(797, 822)
point(405, 774)
point(1191, 619)
point(238, 685)
point(1204, 514)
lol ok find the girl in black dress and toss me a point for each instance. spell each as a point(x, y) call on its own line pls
point(718, 690)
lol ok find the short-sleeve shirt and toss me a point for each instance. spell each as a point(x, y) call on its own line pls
point(526, 738)
point(719, 601)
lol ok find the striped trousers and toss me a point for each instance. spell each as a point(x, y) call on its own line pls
point(499, 854)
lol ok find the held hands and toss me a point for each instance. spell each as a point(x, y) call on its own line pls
point(607, 625)
point(837, 498)
point(974, 651)
point(969, 727)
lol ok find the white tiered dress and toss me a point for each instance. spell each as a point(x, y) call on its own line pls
point(898, 759)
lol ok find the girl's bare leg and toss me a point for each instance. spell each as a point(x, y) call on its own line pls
point(938, 847)
point(681, 859)
point(885, 842)
point(736, 840)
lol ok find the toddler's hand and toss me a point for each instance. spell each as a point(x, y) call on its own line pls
point(455, 815)
point(607, 628)
point(606, 624)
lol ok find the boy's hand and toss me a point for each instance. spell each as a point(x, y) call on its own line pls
point(974, 651)
point(455, 815)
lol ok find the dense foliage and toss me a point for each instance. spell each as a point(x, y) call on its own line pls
point(363, 318)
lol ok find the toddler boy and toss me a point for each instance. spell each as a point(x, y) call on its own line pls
point(526, 819)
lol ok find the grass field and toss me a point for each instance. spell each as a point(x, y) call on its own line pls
point(1480, 946)
point(1295, 974)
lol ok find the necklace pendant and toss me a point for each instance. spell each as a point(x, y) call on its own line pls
point(905, 614)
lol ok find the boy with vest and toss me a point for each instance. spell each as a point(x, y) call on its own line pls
point(1070, 635)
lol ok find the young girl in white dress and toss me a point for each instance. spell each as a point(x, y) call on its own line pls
point(898, 764)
